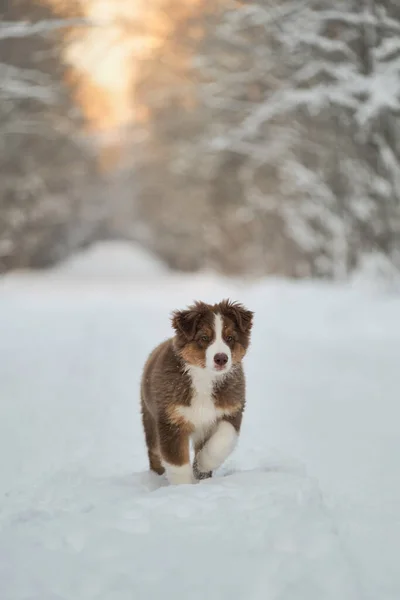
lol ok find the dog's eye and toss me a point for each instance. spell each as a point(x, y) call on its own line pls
point(204, 338)
point(229, 338)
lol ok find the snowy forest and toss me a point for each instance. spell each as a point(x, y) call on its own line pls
point(255, 137)
point(199, 261)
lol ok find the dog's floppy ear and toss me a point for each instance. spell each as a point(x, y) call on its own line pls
point(242, 317)
point(185, 321)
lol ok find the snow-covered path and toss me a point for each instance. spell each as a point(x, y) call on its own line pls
point(308, 508)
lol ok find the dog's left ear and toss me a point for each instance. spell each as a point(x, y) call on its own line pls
point(239, 314)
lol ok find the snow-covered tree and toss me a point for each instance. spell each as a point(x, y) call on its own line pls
point(44, 166)
point(294, 140)
point(312, 112)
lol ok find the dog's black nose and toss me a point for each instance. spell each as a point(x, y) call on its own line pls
point(221, 359)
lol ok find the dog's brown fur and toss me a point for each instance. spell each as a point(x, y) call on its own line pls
point(167, 385)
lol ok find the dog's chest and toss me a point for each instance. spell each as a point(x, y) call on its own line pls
point(202, 412)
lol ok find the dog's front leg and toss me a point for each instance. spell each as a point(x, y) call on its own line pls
point(174, 446)
point(219, 446)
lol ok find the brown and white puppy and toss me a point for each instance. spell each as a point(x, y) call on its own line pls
point(193, 388)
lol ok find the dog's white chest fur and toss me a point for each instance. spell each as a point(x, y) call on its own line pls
point(202, 412)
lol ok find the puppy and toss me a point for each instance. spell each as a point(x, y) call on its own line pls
point(193, 389)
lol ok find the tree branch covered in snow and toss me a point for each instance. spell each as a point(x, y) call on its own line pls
point(21, 29)
point(17, 83)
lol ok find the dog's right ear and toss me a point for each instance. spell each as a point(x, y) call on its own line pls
point(185, 322)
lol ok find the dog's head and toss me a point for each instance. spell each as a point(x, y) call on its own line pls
point(213, 337)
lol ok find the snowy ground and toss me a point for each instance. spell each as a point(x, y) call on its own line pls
point(308, 508)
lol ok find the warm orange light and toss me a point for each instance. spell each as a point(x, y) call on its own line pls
point(105, 60)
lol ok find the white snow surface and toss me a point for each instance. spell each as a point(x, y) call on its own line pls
point(308, 506)
point(112, 259)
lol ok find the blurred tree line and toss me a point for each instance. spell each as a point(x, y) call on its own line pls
point(47, 166)
point(263, 139)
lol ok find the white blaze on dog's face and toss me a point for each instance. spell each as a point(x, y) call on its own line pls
point(213, 337)
point(218, 353)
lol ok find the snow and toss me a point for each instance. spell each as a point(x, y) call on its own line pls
point(307, 508)
point(112, 259)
